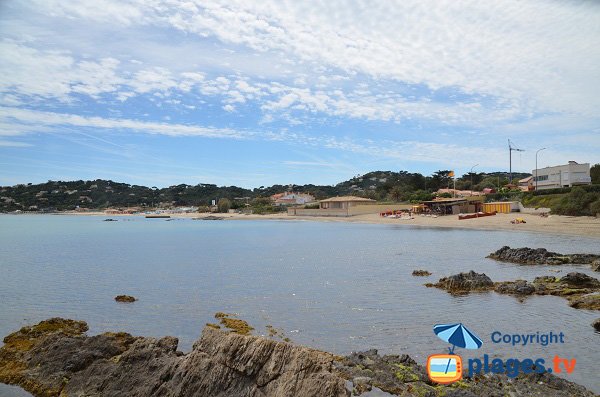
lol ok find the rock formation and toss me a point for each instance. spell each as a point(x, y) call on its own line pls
point(582, 291)
point(56, 359)
point(125, 298)
point(540, 256)
point(421, 273)
point(464, 283)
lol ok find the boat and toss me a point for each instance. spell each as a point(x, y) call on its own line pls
point(475, 215)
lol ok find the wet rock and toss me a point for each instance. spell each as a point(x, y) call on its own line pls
point(581, 290)
point(517, 287)
point(125, 298)
point(596, 265)
point(421, 273)
point(596, 324)
point(110, 220)
point(540, 256)
point(589, 301)
point(580, 280)
point(465, 282)
point(60, 360)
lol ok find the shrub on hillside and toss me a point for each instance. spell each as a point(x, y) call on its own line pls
point(577, 203)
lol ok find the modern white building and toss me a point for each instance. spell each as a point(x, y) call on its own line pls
point(571, 174)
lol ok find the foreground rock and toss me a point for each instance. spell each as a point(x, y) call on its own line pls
point(540, 256)
point(582, 291)
point(56, 358)
point(596, 324)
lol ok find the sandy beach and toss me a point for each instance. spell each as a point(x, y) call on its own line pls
point(554, 224)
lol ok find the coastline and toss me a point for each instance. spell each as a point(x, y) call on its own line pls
point(582, 226)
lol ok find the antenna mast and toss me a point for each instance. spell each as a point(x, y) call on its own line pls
point(511, 147)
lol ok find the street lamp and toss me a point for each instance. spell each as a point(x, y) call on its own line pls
point(536, 176)
point(471, 173)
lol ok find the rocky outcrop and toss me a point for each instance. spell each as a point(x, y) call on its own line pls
point(596, 324)
point(56, 359)
point(582, 291)
point(421, 273)
point(464, 283)
point(125, 298)
point(64, 361)
point(596, 265)
point(540, 256)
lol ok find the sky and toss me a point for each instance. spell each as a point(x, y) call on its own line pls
point(252, 94)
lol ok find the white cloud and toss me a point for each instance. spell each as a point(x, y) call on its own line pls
point(28, 121)
point(5, 143)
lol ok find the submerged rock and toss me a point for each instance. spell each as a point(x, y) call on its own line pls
point(125, 298)
point(60, 360)
point(421, 273)
point(596, 324)
point(589, 301)
point(465, 282)
point(540, 256)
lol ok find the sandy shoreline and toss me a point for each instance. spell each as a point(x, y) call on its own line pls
point(555, 224)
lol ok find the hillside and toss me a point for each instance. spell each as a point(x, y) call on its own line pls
point(100, 194)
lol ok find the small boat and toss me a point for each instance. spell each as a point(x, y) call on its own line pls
point(157, 216)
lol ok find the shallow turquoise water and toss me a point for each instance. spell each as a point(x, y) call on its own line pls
point(335, 286)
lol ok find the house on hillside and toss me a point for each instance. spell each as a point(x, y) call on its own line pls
point(526, 184)
point(291, 198)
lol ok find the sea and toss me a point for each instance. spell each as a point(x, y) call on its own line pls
point(335, 286)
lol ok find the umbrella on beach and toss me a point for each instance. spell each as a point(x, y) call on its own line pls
point(457, 335)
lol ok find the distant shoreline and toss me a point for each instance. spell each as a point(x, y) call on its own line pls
point(583, 226)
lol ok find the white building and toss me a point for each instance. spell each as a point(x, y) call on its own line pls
point(571, 174)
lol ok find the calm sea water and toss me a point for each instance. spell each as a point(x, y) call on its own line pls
point(334, 286)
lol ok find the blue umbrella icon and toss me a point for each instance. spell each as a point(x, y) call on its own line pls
point(457, 335)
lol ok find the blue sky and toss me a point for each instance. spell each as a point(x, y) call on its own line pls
point(256, 93)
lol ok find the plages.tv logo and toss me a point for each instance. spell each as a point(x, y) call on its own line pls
point(448, 368)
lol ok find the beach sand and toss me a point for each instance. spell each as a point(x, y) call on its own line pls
point(554, 224)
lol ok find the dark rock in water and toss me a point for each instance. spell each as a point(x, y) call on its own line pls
point(580, 280)
point(465, 282)
point(596, 324)
point(517, 287)
point(421, 273)
point(125, 298)
point(581, 290)
point(110, 220)
point(210, 218)
point(540, 256)
point(596, 265)
point(55, 358)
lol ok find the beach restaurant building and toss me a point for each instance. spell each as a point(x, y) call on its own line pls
point(453, 206)
point(343, 202)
